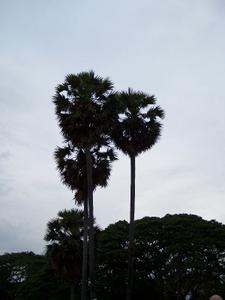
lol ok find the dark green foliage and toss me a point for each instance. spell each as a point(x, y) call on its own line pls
point(16, 267)
point(43, 284)
point(83, 108)
point(64, 250)
point(112, 261)
point(67, 225)
point(71, 163)
point(173, 255)
point(138, 126)
point(86, 109)
point(23, 277)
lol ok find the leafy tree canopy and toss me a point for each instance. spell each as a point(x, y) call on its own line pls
point(173, 255)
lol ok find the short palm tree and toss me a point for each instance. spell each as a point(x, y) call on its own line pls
point(64, 235)
point(71, 163)
point(137, 130)
point(84, 114)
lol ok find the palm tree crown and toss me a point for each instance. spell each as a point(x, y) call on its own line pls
point(138, 126)
point(64, 235)
point(83, 108)
point(71, 163)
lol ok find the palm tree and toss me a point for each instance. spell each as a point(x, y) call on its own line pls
point(137, 130)
point(71, 163)
point(64, 235)
point(84, 114)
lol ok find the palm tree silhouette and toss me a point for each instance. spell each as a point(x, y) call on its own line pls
point(137, 130)
point(64, 235)
point(84, 114)
point(71, 163)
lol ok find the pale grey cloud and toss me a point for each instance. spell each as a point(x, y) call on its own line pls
point(173, 49)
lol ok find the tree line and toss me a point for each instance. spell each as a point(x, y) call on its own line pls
point(174, 255)
point(95, 120)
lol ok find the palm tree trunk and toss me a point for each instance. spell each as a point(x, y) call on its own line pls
point(85, 253)
point(131, 230)
point(72, 292)
point(91, 225)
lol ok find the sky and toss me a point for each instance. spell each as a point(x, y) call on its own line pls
point(170, 48)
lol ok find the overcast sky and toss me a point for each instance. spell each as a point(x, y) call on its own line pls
point(174, 49)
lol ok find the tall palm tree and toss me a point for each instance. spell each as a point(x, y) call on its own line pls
point(71, 163)
point(64, 235)
point(137, 130)
point(84, 114)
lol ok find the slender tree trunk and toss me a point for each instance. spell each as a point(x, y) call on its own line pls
point(131, 230)
point(91, 225)
point(85, 253)
point(72, 292)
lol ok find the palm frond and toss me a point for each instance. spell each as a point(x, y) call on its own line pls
point(138, 125)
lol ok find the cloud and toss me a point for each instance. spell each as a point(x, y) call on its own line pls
point(172, 49)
